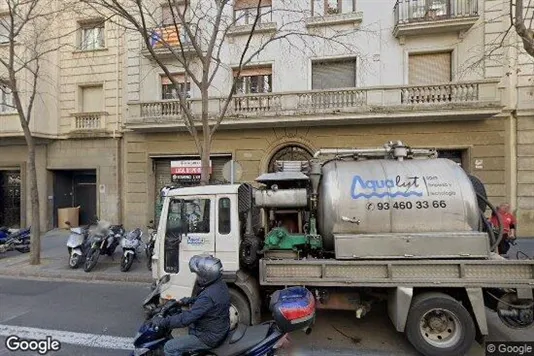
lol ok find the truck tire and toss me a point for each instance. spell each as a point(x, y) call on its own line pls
point(479, 188)
point(439, 325)
point(239, 309)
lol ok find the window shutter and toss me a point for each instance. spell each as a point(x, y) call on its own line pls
point(334, 74)
point(92, 99)
point(250, 4)
point(429, 68)
point(180, 78)
point(249, 72)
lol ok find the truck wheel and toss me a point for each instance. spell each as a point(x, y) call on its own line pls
point(239, 309)
point(439, 325)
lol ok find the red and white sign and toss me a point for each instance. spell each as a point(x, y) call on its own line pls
point(187, 167)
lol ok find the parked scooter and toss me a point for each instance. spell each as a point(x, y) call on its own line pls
point(292, 309)
point(149, 248)
point(77, 244)
point(104, 241)
point(15, 240)
point(130, 244)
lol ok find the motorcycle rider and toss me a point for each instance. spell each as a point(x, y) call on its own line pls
point(209, 317)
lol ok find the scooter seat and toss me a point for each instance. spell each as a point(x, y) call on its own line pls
point(241, 340)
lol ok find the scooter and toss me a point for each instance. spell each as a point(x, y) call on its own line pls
point(77, 245)
point(292, 309)
point(130, 244)
point(15, 240)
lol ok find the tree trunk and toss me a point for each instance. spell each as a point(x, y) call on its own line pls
point(205, 157)
point(35, 239)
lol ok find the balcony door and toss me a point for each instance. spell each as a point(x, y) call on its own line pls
point(334, 74)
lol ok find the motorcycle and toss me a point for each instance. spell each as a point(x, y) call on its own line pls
point(149, 248)
point(77, 245)
point(292, 309)
point(130, 244)
point(104, 241)
point(15, 240)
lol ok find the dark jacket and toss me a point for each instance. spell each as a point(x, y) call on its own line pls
point(209, 317)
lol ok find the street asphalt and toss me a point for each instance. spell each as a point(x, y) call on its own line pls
point(101, 319)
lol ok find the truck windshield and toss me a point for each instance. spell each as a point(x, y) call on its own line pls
point(189, 215)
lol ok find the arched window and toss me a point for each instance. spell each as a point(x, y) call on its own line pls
point(289, 153)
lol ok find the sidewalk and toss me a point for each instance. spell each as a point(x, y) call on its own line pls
point(54, 264)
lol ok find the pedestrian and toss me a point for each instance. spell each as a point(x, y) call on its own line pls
point(508, 226)
point(209, 317)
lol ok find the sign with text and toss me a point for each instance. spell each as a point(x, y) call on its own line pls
point(187, 170)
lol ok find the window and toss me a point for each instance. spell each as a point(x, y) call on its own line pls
point(225, 223)
point(254, 80)
point(246, 11)
point(332, 7)
point(4, 29)
point(92, 36)
point(168, 90)
point(429, 68)
point(6, 101)
point(290, 153)
point(167, 17)
point(332, 74)
point(429, 9)
point(458, 156)
point(91, 99)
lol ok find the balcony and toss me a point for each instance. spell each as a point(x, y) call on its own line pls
point(353, 18)
point(10, 125)
point(414, 17)
point(441, 102)
point(88, 123)
point(166, 42)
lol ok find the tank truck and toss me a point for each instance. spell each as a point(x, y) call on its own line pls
point(393, 224)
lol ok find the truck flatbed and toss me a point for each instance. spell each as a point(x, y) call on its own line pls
point(495, 272)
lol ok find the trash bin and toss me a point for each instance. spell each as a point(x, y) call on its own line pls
point(71, 215)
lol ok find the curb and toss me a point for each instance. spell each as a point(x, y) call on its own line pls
point(64, 276)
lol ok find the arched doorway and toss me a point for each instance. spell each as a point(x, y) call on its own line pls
point(289, 153)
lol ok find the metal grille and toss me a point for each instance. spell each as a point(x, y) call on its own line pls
point(289, 153)
point(10, 186)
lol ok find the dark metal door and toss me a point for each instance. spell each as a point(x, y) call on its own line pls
point(63, 192)
point(85, 197)
point(10, 185)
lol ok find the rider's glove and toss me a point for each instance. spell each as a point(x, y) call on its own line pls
point(187, 301)
point(159, 322)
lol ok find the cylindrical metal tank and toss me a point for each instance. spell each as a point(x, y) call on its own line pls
point(282, 198)
point(388, 196)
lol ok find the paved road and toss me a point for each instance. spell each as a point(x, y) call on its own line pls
point(100, 319)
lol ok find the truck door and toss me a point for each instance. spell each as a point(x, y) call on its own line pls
point(190, 230)
point(227, 235)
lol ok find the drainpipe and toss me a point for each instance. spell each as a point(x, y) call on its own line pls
point(512, 121)
point(118, 104)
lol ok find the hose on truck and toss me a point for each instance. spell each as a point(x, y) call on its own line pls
point(494, 240)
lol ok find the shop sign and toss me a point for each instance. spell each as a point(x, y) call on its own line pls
point(187, 170)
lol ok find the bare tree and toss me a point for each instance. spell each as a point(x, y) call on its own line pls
point(518, 18)
point(204, 26)
point(28, 34)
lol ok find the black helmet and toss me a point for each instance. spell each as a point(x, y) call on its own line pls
point(207, 268)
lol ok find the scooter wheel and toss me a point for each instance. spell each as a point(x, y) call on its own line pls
point(126, 262)
point(74, 261)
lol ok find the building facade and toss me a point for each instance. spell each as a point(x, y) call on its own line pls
point(419, 71)
point(77, 125)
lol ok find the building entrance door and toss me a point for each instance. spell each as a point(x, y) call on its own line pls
point(10, 186)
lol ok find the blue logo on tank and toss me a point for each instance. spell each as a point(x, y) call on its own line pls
point(391, 188)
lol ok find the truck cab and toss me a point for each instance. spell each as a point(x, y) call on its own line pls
point(202, 220)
